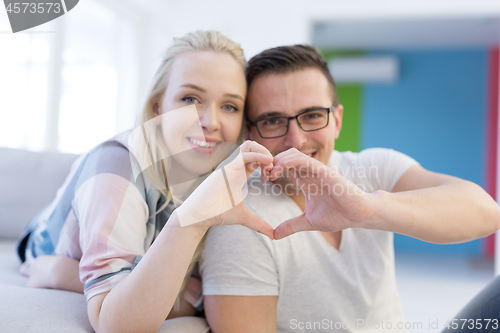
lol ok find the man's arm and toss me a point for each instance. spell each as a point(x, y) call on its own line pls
point(240, 281)
point(425, 205)
point(436, 208)
point(228, 314)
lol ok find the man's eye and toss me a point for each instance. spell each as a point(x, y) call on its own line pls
point(190, 100)
point(313, 115)
point(272, 121)
point(229, 108)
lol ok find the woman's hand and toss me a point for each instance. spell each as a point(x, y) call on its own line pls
point(219, 199)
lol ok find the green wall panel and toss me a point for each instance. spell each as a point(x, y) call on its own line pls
point(350, 96)
point(350, 136)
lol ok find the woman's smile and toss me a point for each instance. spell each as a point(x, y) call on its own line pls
point(203, 145)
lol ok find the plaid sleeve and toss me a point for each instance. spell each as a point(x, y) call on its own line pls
point(112, 213)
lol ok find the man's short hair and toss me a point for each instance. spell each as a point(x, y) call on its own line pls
point(288, 59)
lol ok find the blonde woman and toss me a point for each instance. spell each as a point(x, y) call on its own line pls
point(113, 233)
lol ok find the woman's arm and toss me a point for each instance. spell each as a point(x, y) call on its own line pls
point(143, 299)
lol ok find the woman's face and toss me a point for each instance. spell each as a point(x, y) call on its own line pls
point(203, 134)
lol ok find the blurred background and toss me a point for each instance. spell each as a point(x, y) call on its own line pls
point(421, 77)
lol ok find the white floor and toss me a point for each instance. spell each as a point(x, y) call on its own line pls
point(434, 289)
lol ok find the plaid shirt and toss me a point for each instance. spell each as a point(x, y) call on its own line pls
point(103, 217)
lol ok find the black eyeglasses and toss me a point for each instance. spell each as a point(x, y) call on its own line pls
point(309, 121)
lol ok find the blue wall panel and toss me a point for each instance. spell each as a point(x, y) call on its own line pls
point(435, 113)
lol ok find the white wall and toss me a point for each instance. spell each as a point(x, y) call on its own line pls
point(261, 24)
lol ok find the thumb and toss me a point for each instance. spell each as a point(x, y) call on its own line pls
point(257, 224)
point(291, 226)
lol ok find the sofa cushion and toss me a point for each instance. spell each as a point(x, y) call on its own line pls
point(185, 325)
point(47, 310)
point(26, 310)
point(28, 182)
point(42, 310)
point(9, 265)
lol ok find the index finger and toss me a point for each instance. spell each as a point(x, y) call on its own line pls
point(287, 152)
point(252, 146)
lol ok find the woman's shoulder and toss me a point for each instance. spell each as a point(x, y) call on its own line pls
point(112, 153)
point(109, 157)
point(117, 143)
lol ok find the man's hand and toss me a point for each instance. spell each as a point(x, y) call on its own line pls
point(333, 203)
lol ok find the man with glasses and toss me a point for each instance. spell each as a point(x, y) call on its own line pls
point(340, 274)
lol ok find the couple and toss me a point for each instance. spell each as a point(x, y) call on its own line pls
point(116, 234)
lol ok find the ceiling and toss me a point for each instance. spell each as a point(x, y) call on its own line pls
point(408, 33)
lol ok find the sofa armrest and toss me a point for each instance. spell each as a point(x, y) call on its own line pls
point(29, 181)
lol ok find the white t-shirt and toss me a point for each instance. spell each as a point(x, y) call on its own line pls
point(319, 288)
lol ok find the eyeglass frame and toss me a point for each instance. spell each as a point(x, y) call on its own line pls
point(254, 123)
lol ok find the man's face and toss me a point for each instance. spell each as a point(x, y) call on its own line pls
point(288, 95)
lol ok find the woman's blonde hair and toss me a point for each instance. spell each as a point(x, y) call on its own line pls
point(157, 151)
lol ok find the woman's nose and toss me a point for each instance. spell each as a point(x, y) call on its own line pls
point(209, 118)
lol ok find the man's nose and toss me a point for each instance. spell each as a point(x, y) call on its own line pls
point(295, 137)
point(209, 118)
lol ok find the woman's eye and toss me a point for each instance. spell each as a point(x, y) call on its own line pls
point(190, 100)
point(229, 108)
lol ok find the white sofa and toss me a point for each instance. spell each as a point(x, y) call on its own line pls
point(28, 182)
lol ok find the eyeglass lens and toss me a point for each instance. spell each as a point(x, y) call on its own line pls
point(277, 126)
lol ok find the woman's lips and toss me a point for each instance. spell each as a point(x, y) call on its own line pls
point(207, 146)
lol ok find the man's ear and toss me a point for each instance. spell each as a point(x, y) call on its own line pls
point(337, 115)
